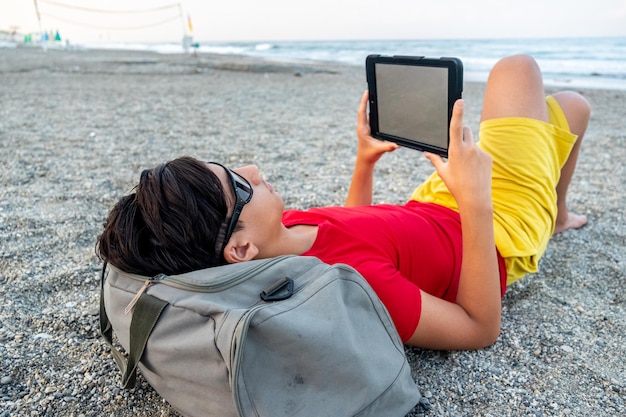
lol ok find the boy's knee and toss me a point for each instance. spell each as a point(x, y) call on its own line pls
point(576, 108)
point(517, 63)
point(573, 101)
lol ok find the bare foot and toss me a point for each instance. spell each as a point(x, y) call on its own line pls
point(573, 221)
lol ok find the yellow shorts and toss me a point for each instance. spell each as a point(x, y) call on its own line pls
point(527, 158)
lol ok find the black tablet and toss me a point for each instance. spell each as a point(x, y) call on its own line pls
point(411, 99)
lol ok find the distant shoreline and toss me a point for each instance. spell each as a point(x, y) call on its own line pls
point(590, 64)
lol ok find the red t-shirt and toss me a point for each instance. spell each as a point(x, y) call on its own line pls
point(398, 250)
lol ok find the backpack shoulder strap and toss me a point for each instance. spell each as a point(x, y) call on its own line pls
point(147, 312)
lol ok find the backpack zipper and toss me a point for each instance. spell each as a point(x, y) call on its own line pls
point(185, 284)
point(143, 288)
point(236, 351)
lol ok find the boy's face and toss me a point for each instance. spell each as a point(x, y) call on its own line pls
point(262, 215)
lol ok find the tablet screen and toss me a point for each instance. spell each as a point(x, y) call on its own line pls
point(412, 102)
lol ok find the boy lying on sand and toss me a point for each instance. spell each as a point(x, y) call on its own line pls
point(440, 263)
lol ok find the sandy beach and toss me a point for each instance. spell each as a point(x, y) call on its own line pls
point(78, 127)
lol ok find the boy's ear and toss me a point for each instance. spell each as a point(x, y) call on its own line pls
point(240, 251)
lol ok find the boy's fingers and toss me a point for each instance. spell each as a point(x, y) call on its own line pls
point(456, 122)
point(391, 146)
point(362, 113)
point(467, 134)
point(436, 160)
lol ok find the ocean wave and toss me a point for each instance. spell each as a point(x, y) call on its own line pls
point(263, 47)
point(583, 61)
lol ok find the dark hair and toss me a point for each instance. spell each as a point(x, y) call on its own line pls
point(171, 224)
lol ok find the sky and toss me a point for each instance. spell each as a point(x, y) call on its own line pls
point(272, 20)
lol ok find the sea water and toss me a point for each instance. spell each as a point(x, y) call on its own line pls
point(568, 62)
point(588, 62)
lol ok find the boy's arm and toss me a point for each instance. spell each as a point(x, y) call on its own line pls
point(369, 151)
point(474, 320)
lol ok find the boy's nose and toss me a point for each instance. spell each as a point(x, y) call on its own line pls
point(249, 172)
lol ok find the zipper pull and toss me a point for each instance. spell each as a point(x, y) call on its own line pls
point(132, 303)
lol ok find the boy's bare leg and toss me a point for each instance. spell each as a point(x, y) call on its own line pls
point(577, 112)
point(519, 77)
point(515, 89)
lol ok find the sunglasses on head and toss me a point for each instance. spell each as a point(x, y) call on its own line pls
point(243, 195)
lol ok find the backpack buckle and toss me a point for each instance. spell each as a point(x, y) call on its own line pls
point(280, 290)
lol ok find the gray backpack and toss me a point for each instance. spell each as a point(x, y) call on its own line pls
point(286, 336)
